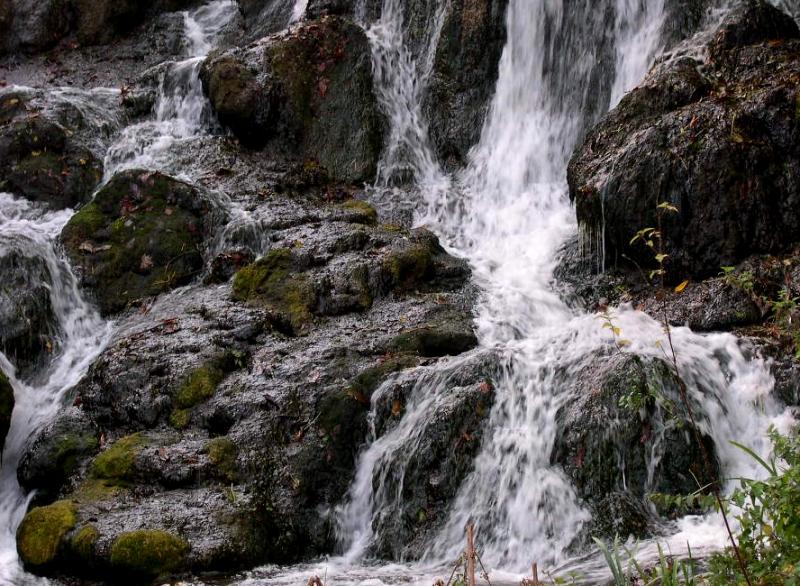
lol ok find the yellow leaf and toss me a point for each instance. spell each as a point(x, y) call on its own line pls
point(682, 287)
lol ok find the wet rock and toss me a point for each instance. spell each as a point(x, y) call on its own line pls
point(627, 433)
point(55, 452)
point(39, 157)
point(140, 236)
point(432, 472)
point(465, 70)
point(306, 94)
point(27, 322)
point(716, 141)
point(6, 407)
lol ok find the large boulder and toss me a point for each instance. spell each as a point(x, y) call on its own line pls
point(27, 321)
point(306, 94)
point(718, 142)
point(627, 435)
point(465, 69)
point(140, 236)
point(40, 158)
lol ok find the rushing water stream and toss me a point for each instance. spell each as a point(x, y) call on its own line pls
point(508, 213)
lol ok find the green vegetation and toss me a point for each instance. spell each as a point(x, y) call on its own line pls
point(275, 282)
point(364, 212)
point(116, 464)
point(410, 266)
point(149, 553)
point(41, 531)
point(222, 453)
point(83, 541)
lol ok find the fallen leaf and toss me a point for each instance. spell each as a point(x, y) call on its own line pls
point(682, 287)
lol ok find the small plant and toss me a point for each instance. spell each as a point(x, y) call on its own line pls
point(769, 539)
point(744, 281)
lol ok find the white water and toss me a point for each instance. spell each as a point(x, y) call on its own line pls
point(508, 213)
point(83, 335)
point(182, 111)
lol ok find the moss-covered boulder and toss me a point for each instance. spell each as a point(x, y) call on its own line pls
point(140, 236)
point(40, 159)
point(6, 407)
point(277, 282)
point(307, 94)
point(148, 553)
point(41, 532)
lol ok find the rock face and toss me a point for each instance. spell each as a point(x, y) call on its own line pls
point(26, 313)
point(718, 142)
point(37, 26)
point(465, 68)
point(40, 159)
point(6, 407)
point(140, 236)
point(306, 93)
point(625, 436)
point(219, 423)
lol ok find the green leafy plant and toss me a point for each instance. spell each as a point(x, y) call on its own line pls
point(744, 281)
point(769, 538)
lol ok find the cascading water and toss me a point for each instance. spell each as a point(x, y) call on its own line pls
point(182, 111)
point(82, 336)
point(508, 213)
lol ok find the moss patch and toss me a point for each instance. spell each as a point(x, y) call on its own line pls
point(222, 453)
point(82, 543)
point(410, 266)
point(41, 531)
point(361, 212)
point(274, 282)
point(94, 490)
point(199, 386)
point(116, 464)
point(149, 553)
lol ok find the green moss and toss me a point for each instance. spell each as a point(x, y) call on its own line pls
point(83, 541)
point(149, 553)
point(95, 490)
point(274, 282)
point(179, 418)
point(365, 213)
point(83, 225)
point(199, 386)
point(365, 383)
point(222, 453)
point(410, 266)
point(41, 531)
point(117, 462)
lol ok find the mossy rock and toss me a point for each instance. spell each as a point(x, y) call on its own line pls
point(275, 282)
point(41, 531)
point(117, 463)
point(360, 212)
point(149, 553)
point(409, 266)
point(142, 235)
point(6, 407)
point(222, 453)
point(83, 542)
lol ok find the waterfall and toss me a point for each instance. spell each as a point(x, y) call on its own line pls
point(508, 213)
point(182, 111)
point(82, 336)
